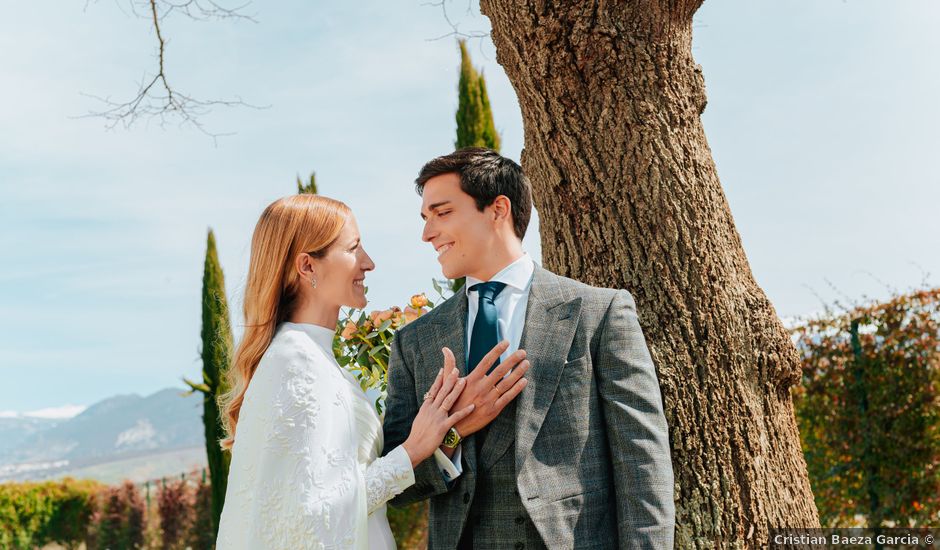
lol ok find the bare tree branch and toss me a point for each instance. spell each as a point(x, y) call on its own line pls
point(204, 10)
point(456, 32)
point(156, 98)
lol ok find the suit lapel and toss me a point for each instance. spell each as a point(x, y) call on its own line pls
point(499, 436)
point(550, 324)
point(447, 328)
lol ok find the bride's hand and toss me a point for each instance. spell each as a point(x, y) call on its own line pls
point(434, 418)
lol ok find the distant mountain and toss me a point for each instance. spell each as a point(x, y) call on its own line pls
point(120, 427)
point(17, 429)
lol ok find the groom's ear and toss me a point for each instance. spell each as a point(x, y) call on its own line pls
point(502, 208)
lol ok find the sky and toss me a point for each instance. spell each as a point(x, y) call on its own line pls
point(822, 119)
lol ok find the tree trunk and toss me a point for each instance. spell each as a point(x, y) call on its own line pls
point(628, 197)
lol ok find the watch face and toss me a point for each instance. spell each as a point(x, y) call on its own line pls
point(451, 438)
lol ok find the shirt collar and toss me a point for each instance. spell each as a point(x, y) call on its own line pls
point(518, 274)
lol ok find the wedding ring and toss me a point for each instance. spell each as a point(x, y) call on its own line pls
point(427, 395)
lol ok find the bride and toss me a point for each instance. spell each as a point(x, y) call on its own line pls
point(306, 470)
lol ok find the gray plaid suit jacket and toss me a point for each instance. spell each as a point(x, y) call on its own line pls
point(589, 443)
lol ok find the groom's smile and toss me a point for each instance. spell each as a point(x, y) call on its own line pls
point(443, 248)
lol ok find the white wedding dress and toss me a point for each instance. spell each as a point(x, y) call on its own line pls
point(306, 471)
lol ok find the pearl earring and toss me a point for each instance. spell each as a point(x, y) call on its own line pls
point(313, 282)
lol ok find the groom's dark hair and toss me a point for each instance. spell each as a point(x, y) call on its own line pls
point(485, 175)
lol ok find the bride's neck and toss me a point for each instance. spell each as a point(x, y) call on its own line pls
point(313, 313)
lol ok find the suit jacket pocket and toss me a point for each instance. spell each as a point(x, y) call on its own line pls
point(580, 521)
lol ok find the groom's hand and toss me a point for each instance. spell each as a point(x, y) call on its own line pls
point(489, 393)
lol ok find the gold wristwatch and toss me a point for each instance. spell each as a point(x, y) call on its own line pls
point(452, 439)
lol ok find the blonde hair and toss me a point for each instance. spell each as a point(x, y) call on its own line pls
point(288, 227)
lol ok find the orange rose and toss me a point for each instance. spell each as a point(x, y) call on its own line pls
point(412, 313)
point(349, 330)
point(418, 301)
point(377, 317)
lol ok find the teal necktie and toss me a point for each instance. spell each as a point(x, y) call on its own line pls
point(485, 334)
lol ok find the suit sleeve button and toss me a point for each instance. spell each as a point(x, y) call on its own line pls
point(520, 520)
point(466, 498)
point(520, 546)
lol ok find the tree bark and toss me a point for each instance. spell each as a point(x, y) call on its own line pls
point(628, 197)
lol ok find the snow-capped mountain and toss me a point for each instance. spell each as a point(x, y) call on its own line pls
point(119, 427)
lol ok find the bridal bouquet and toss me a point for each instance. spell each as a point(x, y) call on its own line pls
point(362, 341)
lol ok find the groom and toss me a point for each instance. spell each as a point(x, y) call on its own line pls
point(580, 459)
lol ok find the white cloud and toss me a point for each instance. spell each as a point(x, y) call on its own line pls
point(63, 412)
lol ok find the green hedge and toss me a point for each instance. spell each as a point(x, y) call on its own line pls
point(868, 410)
point(71, 512)
point(36, 514)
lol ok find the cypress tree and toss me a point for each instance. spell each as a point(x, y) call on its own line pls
point(475, 126)
point(310, 187)
point(216, 358)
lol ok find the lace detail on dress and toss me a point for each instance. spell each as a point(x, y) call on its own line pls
point(319, 469)
point(387, 477)
point(295, 409)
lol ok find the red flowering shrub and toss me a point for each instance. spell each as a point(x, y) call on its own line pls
point(175, 507)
